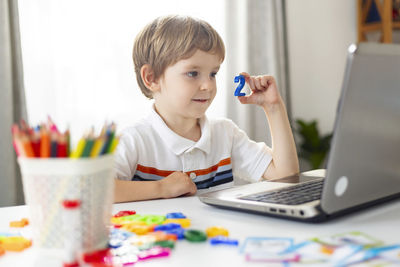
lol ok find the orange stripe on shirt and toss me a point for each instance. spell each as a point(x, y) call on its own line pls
point(151, 170)
point(212, 168)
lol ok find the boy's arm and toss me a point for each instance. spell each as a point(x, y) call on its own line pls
point(174, 185)
point(284, 156)
point(265, 94)
point(126, 191)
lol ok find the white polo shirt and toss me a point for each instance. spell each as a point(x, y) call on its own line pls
point(149, 150)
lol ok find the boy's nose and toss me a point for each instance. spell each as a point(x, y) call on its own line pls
point(207, 84)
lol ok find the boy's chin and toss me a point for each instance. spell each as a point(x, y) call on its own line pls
point(197, 114)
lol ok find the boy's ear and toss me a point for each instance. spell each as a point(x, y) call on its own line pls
point(148, 78)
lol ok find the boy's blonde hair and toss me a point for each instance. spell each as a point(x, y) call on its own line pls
point(169, 39)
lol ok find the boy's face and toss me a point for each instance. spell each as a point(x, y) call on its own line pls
point(188, 87)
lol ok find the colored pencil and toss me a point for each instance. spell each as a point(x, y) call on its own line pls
point(27, 146)
point(44, 142)
point(62, 146)
point(109, 137)
point(98, 145)
point(88, 146)
point(113, 145)
point(79, 148)
point(68, 142)
point(51, 124)
point(35, 139)
point(53, 144)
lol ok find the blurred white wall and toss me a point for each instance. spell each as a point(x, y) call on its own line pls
point(319, 32)
point(77, 58)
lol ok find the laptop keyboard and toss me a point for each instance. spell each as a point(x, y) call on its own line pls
point(294, 195)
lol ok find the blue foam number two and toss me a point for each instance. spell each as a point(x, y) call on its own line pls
point(241, 80)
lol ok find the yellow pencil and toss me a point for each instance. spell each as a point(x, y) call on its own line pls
point(79, 148)
point(113, 145)
point(98, 144)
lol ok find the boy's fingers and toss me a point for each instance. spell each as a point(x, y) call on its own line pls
point(245, 74)
point(264, 82)
point(257, 84)
point(244, 99)
point(269, 80)
point(249, 99)
point(194, 190)
point(251, 84)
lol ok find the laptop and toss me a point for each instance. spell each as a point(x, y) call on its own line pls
point(363, 166)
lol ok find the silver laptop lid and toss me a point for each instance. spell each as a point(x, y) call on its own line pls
point(364, 161)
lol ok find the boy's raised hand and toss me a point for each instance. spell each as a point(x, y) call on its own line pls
point(177, 184)
point(264, 91)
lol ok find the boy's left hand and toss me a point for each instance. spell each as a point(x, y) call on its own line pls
point(264, 91)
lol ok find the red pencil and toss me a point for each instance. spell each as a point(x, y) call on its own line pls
point(35, 139)
point(62, 146)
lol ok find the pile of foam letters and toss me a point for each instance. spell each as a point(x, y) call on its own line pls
point(138, 237)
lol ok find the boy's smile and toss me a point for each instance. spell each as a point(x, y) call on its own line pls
point(200, 100)
point(187, 88)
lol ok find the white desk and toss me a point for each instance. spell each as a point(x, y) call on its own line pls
point(381, 222)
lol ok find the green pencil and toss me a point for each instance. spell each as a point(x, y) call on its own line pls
point(88, 147)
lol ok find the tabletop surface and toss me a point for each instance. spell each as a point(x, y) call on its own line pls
point(381, 222)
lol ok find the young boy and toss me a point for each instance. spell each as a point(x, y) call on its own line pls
point(177, 149)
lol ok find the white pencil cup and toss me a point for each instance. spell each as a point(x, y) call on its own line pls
point(47, 182)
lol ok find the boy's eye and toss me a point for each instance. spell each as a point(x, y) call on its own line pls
point(213, 74)
point(192, 73)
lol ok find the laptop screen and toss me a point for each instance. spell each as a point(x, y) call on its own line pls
point(364, 161)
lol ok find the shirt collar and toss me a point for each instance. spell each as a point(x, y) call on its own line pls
point(177, 143)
